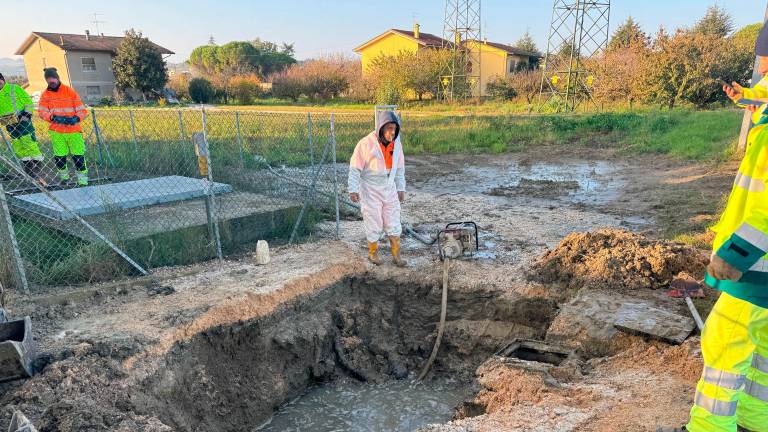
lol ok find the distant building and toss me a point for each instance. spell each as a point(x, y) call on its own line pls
point(497, 60)
point(84, 61)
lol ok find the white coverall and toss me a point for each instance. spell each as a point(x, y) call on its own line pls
point(377, 186)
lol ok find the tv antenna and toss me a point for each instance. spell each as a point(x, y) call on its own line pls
point(96, 21)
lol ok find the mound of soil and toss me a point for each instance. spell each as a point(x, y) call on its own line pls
point(616, 260)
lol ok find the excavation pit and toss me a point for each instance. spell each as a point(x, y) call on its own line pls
point(356, 345)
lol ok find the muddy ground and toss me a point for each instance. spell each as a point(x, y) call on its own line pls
point(220, 346)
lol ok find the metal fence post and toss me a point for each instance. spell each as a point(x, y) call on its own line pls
point(133, 133)
point(335, 177)
point(6, 225)
point(182, 135)
point(240, 139)
point(210, 202)
point(311, 144)
point(98, 137)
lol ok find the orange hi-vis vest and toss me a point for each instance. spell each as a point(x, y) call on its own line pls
point(63, 102)
point(388, 152)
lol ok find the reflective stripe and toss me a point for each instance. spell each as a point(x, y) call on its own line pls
point(715, 406)
point(13, 99)
point(62, 110)
point(80, 108)
point(722, 378)
point(753, 235)
point(42, 108)
point(756, 390)
point(751, 184)
point(760, 266)
point(760, 363)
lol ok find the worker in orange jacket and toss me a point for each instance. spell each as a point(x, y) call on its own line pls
point(60, 105)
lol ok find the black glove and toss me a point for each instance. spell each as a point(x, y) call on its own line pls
point(58, 119)
point(75, 120)
point(24, 115)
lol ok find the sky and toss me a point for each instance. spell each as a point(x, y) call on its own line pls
point(320, 27)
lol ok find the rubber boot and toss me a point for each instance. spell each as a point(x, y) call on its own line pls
point(395, 245)
point(671, 429)
point(82, 179)
point(373, 253)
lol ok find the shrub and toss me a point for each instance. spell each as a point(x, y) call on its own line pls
point(245, 88)
point(201, 90)
point(501, 88)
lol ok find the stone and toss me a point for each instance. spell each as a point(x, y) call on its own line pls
point(262, 252)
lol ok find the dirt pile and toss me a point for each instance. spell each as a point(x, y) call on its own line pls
point(616, 260)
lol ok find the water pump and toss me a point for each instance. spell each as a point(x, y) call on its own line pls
point(458, 240)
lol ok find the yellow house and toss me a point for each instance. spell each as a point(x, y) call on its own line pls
point(84, 62)
point(394, 41)
point(496, 60)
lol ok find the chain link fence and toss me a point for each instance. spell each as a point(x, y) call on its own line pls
point(170, 187)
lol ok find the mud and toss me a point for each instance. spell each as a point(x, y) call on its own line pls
point(536, 188)
point(615, 260)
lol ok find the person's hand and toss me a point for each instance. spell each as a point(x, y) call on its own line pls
point(719, 269)
point(57, 119)
point(401, 196)
point(734, 91)
point(354, 197)
point(74, 120)
point(752, 108)
point(25, 115)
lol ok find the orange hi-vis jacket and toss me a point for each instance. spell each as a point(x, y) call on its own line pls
point(63, 102)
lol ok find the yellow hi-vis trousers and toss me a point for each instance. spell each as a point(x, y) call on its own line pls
point(733, 388)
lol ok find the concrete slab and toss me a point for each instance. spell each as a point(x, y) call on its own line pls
point(100, 199)
point(589, 320)
point(642, 318)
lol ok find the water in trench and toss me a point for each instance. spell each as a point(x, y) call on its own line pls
point(352, 406)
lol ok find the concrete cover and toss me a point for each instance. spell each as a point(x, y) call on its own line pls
point(642, 318)
point(99, 199)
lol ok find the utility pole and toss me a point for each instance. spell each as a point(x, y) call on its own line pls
point(746, 122)
point(579, 30)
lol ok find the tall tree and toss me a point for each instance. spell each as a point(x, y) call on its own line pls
point(716, 22)
point(526, 43)
point(628, 34)
point(139, 65)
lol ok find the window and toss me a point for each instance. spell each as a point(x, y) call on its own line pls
point(93, 91)
point(89, 64)
point(512, 66)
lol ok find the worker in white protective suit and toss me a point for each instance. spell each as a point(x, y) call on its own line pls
point(377, 182)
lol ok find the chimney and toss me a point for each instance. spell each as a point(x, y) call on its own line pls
point(87, 35)
point(416, 32)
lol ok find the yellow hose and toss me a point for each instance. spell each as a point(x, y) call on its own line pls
point(441, 326)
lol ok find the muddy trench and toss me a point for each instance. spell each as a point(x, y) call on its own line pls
point(233, 378)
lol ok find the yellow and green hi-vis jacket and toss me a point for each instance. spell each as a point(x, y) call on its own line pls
point(742, 233)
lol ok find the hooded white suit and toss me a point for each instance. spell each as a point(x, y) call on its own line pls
point(377, 186)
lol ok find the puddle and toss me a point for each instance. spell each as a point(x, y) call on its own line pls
point(591, 182)
point(351, 406)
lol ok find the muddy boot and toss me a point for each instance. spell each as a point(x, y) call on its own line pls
point(373, 253)
point(395, 245)
point(671, 429)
